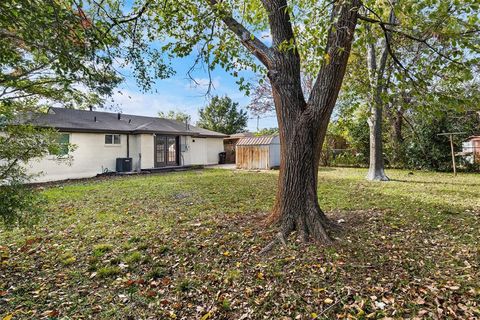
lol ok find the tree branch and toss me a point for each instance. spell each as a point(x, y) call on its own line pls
point(329, 79)
point(126, 19)
point(248, 39)
point(386, 28)
point(424, 41)
point(367, 19)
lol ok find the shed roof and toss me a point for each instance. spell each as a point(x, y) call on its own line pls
point(255, 141)
point(473, 138)
point(240, 135)
point(95, 121)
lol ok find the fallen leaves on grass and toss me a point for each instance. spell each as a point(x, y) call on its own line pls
point(193, 254)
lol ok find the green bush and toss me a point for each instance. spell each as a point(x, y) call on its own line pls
point(20, 205)
point(348, 159)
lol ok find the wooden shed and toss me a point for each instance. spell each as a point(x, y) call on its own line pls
point(258, 153)
point(230, 142)
point(471, 149)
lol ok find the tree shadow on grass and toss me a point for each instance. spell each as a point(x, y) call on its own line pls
point(436, 182)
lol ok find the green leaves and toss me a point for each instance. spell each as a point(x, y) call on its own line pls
point(222, 115)
point(175, 115)
point(54, 51)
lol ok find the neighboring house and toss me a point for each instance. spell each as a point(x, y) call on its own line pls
point(471, 149)
point(100, 138)
point(229, 144)
point(258, 152)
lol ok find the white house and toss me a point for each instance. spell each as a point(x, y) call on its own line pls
point(100, 138)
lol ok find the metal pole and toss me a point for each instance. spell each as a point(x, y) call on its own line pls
point(453, 155)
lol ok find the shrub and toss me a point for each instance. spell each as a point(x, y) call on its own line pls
point(20, 205)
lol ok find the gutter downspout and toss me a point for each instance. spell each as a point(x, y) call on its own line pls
point(128, 145)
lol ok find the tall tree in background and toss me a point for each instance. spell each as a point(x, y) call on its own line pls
point(175, 115)
point(413, 46)
point(223, 115)
point(377, 59)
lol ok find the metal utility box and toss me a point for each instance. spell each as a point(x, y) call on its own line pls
point(124, 165)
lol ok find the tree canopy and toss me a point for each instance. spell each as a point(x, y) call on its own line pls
point(50, 53)
point(54, 52)
point(223, 115)
point(175, 115)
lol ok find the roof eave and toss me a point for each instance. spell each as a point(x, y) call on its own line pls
point(85, 130)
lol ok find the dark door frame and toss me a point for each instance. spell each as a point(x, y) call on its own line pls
point(166, 163)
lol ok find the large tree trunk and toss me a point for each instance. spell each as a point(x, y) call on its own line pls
point(299, 206)
point(303, 125)
point(376, 169)
point(376, 72)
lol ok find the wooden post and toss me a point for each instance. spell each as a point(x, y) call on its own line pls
point(453, 155)
point(450, 135)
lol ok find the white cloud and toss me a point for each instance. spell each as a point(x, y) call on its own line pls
point(149, 104)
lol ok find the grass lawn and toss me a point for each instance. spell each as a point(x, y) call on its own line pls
point(185, 246)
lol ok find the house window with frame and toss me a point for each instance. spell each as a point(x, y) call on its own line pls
point(112, 139)
point(63, 141)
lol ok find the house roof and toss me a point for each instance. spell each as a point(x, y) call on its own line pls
point(255, 141)
point(94, 121)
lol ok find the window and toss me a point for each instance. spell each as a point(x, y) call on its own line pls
point(63, 141)
point(112, 139)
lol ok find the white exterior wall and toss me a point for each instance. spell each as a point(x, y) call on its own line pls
point(274, 153)
point(214, 147)
point(90, 158)
point(197, 151)
point(201, 151)
point(146, 149)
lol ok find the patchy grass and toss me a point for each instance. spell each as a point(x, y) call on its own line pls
point(185, 246)
point(109, 271)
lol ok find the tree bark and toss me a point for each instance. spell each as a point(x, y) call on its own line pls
point(376, 169)
point(302, 128)
point(395, 113)
point(376, 69)
point(302, 124)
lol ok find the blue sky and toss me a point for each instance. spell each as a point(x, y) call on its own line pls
point(180, 93)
